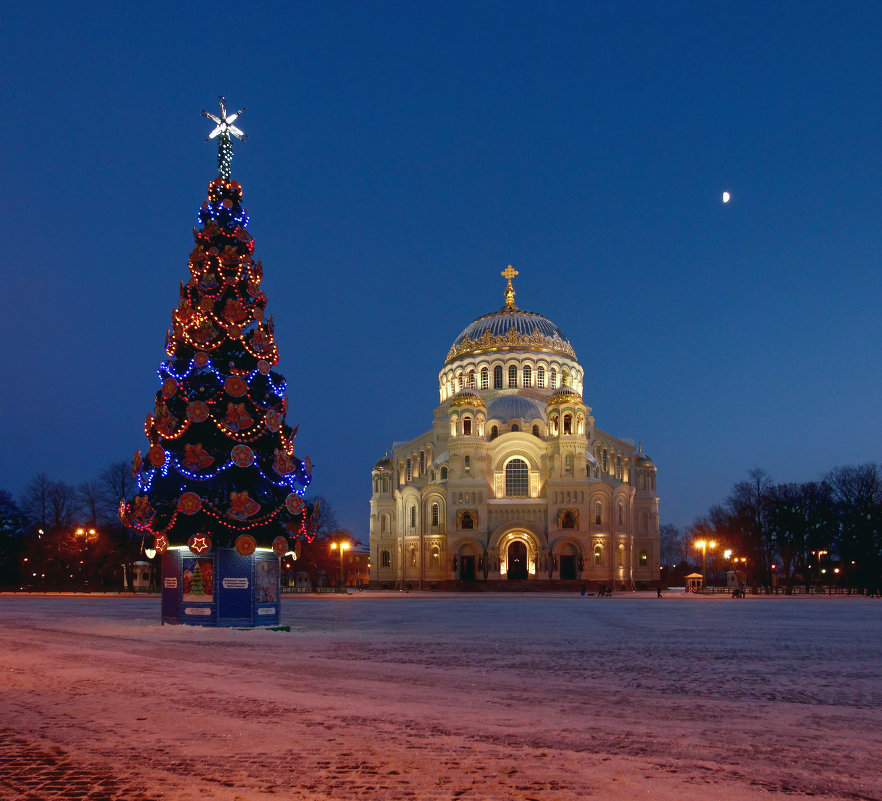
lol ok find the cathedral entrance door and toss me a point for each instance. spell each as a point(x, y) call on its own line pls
point(467, 571)
point(567, 567)
point(517, 561)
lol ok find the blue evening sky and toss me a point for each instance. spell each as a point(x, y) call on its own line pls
point(400, 155)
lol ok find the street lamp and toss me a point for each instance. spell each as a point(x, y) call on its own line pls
point(704, 545)
point(343, 546)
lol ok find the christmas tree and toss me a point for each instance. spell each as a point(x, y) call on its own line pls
point(220, 469)
point(196, 586)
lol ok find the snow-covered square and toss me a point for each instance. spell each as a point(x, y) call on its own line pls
point(430, 696)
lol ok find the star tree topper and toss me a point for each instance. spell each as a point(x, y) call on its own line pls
point(224, 130)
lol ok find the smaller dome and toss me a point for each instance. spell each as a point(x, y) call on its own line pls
point(384, 464)
point(563, 395)
point(515, 407)
point(644, 461)
point(467, 397)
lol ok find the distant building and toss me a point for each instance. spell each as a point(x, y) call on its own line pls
point(514, 482)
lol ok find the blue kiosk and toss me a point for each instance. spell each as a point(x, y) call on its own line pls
point(220, 588)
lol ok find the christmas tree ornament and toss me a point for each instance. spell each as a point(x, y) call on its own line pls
point(242, 506)
point(156, 456)
point(272, 420)
point(242, 456)
point(196, 458)
point(197, 411)
point(137, 463)
point(280, 546)
point(189, 503)
point(263, 366)
point(160, 543)
point(245, 545)
point(235, 386)
point(199, 543)
point(294, 504)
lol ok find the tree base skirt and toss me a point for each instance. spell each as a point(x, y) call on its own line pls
point(220, 588)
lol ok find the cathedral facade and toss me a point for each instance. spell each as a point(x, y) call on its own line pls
point(514, 482)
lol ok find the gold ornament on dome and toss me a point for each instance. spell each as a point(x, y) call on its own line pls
point(512, 340)
point(468, 398)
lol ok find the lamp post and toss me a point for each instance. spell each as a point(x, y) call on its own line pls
point(704, 545)
point(342, 546)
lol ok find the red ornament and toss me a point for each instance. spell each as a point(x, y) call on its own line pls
point(236, 386)
point(242, 506)
point(189, 503)
point(264, 366)
point(245, 545)
point(197, 411)
point(242, 456)
point(199, 543)
point(169, 388)
point(280, 546)
point(156, 456)
point(160, 543)
point(137, 463)
point(294, 503)
point(273, 420)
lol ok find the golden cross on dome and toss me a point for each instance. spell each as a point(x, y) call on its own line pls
point(509, 273)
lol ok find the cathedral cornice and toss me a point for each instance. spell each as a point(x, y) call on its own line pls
point(511, 340)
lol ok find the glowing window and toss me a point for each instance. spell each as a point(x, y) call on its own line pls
point(413, 516)
point(386, 559)
point(644, 557)
point(597, 513)
point(413, 557)
point(485, 378)
point(552, 378)
point(436, 556)
point(540, 378)
point(435, 514)
point(471, 379)
point(598, 555)
point(512, 376)
point(422, 462)
point(528, 376)
point(467, 426)
point(517, 479)
point(467, 463)
point(568, 424)
point(568, 463)
point(409, 469)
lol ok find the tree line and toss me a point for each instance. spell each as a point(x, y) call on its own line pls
point(57, 535)
point(826, 532)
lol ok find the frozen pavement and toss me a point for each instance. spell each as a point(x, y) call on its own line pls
point(384, 696)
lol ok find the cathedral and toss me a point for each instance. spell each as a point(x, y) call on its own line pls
point(514, 482)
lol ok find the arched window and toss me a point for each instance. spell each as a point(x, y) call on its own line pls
point(436, 556)
point(540, 378)
point(618, 467)
point(435, 514)
point(466, 521)
point(432, 474)
point(512, 376)
point(568, 424)
point(528, 376)
point(422, 462)
point(517, 479)
point(497, 377)
point(376, 486)
point(621, 515)
point(569, 520)
point(598, 509)
point(515, 427)
point(568, 463)
point(458, 382)
point(552, 378)
point(535, 431)
point(467, 464)
point(494, 432)
point(467, 426)
point(644, 557)
point(409, 470)
point(471, 379)
point(385, 559)
point(444, 474)
point(485, 378)
point(413, 516)
point(605, 466)
point(598, 555)
point(620, 556)
point(554, 422)
point(413, 557)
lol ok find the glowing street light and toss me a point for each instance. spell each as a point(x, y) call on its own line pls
point(704, 545)
point(343, 546)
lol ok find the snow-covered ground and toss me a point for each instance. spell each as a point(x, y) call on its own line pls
point(419, 696)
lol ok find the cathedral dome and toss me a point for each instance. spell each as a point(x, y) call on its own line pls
point(510, 328)
point(563, 395)
point(515, 407)
point(467, 397)
point(384, 464)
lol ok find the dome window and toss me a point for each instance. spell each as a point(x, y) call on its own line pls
point(552, 379)
point(517, 476)
point(422, 462)
point(435, 514)
point(470, 382)
point(497, 377)
point(528, 376)
point(467, 464)
point(444, 474)
point(568, 424)
point(535, 431)
point(512, 377)
point(540, 378)
point(494, 432)
point(485, 378)
point(466, 426)
point(515, 427)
